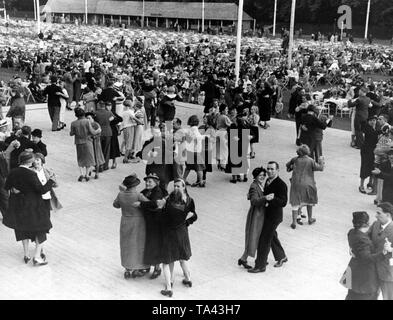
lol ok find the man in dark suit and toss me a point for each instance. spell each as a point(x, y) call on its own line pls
point(381, 235)
point(276, 196)
point(53, 92)
point(385, 172)
point(103, 118)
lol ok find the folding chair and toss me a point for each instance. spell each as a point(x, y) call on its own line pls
point(343, 111)
point(29, 96)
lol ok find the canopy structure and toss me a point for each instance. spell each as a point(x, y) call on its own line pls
point(180, 10)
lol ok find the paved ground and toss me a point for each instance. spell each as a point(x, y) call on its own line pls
point(83, 246)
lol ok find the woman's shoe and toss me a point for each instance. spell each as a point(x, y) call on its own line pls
point(26, 259)
point(38, 263)
point(127, 274)
point(137, 274)
point(196, 184)
point(243, 263)
point(114, 166)
point(311, 221)
point(299, 221)
point(87, 178)
point(96, 176)
point(245, 179)
point(238, 179)
point(202, 184)
point(42, 255)
point(232, 181)
point(80, 179)
point(187, 283)
point(361, 190)
point(167, 293)
point(252, 155)
point(293, 225)
point(125, 160)
point(188, 184)
point(156, 274)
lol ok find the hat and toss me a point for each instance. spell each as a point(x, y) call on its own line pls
point(35, 133)
point(131, 181)
point(152, 176)
point(127, 103)
point(171, 89)
point(3, 123)
point(372, 118)
point(386, 207)
point(25, 156)
point(40, 156)
point(360, 218)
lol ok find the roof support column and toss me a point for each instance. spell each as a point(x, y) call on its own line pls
point(147, 21)
point(188, 24)
point(156, 22)
point(166, 23)
point(129, 20)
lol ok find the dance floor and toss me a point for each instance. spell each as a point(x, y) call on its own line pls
point(83, 246)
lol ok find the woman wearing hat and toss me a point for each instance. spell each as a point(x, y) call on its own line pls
point(98, 155)
point(27, 213)
point(361, 276)
point(303, 188)
point(255, 216)
point(18, 106)
point(132, 228)
point(153, 193)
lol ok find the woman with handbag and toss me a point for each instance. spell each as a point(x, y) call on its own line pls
point(179, 213)
point(361, 277)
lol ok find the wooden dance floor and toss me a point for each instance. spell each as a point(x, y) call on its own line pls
point(83, 246)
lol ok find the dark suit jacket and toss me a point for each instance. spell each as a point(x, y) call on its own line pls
point(364, 277)
point(384, 270)
point(53, 98)
point(274, 209)
point(103, 117)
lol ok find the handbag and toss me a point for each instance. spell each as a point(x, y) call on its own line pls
point(279, 107)
point(346, 279)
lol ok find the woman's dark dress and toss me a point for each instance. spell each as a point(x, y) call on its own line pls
point(153, 219)
point(27, 213)
point(367, 151)
point(238, 165)
point(176, 243)
point(265, 103)
point(115, 147)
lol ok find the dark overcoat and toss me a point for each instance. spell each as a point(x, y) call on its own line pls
point(27, 210)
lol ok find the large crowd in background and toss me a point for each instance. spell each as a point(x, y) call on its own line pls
point(124, 92)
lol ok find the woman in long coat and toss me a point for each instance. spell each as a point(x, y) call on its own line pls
point(152, 213)
point(132, 229)
point(27, 213)
point(115, 147)
point(303, 188)
point(98, 155)
point(238, 163)
point(264, 101)
point(83, 132)
point(255, 216)
point(361, 277)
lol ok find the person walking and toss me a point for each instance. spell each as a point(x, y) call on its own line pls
point(27, 212)
point(53, 91)
point(255, 216)
point(132, 228)
point(276, 196)
point(303, 190)
point(179, 213)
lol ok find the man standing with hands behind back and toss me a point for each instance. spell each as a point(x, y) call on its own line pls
point(276, 196)
point(381, 234)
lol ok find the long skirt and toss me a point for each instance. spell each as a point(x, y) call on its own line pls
point(366, 163)
point(99, 156)
point(128, 134)
point(85, 154)
point(138, 135)
point(132, 242)
point(222, 146)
